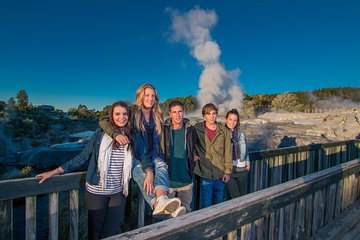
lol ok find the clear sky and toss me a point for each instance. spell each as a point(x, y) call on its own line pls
point(71, 52)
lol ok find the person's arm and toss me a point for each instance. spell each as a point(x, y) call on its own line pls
point(247, 158)
point(244, 149)
point(77, 162)
point(227, 153)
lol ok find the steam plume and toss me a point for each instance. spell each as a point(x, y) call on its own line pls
point(216, 84)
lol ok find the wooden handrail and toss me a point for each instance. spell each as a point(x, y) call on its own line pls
point(218, 220)
point(268, 168)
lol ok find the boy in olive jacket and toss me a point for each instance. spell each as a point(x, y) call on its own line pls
point(214, 159)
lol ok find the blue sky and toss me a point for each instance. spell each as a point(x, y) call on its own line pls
point(67, 53)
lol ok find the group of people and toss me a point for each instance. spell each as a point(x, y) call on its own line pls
point(162, 157)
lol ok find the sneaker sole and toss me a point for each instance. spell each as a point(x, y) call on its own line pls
point(181, 212)
point(170, 207)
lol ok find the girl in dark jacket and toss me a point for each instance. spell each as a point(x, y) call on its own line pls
point(109, 167)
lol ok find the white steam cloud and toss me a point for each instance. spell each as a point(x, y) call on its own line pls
point(217, 85)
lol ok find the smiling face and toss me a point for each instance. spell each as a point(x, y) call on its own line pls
point(177, 115)
point(149, 98)
point(232, 121)
point(120, 116)
point(210, 117)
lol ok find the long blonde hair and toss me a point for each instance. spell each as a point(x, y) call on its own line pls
point(155, 110)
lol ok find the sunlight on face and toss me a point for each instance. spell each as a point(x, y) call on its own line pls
point(176, 114)
point(120, 116)
point(210, 117)
point(231, 121)
point(149, 98)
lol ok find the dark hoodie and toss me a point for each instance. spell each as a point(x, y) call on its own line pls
point(189, 143)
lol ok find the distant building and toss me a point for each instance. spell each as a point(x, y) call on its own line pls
point(45, 108)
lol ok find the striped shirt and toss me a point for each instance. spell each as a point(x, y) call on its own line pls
point(114, 176)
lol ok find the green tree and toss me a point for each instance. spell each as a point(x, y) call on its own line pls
point(2, 106)
point(11, 103)
point(22, 100)
point(288, 102)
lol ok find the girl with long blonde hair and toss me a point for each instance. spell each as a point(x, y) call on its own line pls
point(150, 170)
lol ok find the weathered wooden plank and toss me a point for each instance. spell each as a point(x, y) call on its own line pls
point(281, 216)
point(17, 188)
point(259, 229)
point(339, 227)
point(262, 176)
point(30, 215)
point(272, 226)
point(330, 203)
point(299, 231)
point(308, 215)
point(346, 193)
point(246, 232)
point(289, 219)
point(6, 219)
point(339, 191)
point(74, 214)
point(232, 235)
point(319, 206)
point(53, 215)
point(256, 176)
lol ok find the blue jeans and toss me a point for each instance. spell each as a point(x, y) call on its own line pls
point(161, 178)
point(212, 192)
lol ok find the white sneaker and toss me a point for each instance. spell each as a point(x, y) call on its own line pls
point(178, 212)
point(164, 203)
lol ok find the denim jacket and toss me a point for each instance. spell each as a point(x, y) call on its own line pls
point(243, 149)
point(87, 158)
point(144, 155)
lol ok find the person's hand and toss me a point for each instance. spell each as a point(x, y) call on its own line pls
point(248, 166)
point(149, 182)
point(225, 178)
point(196, 158)
point(46, 175)
point(122, 139)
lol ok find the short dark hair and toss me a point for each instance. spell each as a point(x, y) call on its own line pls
point(207, 108)
point(175, 103)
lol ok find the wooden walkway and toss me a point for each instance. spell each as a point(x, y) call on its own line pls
point(344, 227)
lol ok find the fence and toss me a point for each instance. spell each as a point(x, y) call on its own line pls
point(268, 168)
point(293, 210)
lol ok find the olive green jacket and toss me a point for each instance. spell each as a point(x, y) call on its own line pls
point(215, 156)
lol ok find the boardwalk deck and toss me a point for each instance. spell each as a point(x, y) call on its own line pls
point(346, 226)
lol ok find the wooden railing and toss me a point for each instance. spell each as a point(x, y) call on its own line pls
point(268, 168)
point(29, 188)
point(293, 210)
point(271, 167)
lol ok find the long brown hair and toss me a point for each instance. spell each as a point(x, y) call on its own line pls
point(155, 110)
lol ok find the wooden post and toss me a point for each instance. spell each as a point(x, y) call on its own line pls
point(6, 219)
point(74, 214)
point(53, 215)
point(30, 215)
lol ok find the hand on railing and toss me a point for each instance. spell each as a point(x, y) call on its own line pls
point(49, 174)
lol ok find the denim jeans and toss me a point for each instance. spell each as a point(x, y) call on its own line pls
point(161, 178)
point(212, 192)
